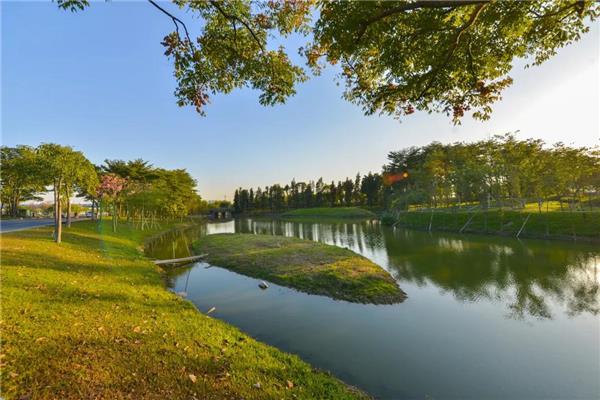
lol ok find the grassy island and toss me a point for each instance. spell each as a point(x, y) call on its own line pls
point(329, 213)
point(305, 265)
point(90, 318)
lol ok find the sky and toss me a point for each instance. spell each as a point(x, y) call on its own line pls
point(98, 81)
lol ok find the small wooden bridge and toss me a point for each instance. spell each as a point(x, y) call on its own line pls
point(180, 261)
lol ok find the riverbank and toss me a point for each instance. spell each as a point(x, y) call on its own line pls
point(574, 226)
point(304, 265)
point(90, 318)
point(329, 213)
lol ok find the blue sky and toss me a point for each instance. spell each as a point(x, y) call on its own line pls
point(98, 81)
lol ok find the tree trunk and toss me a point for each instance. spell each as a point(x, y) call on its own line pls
point(114, 217)
point(485, 219)
point(15, 207)
point(547, 221)
point(58, 229)
point(55, 211)
point(68, 211)
point(59, 224)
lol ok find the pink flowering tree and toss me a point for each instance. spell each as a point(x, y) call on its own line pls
point(109, 189)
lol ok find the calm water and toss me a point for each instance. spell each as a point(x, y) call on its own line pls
point(485, 318)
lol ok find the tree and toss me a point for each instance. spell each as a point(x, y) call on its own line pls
point(180, 191)
point(80, 177)
point(20, 179)
point(60, 166)
point(110, 187)
point(90, 192)
point(395, 56)
point(236, 201)
point(371, 187)
point(333, 194)
point(348, 188)
point(356, 193)
point(319, 193)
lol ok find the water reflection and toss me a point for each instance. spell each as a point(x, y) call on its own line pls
point(176, 243)
point(526, 277)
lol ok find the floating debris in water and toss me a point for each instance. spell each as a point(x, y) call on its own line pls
point(182, 294)
point(263, 285)
point(211, 310)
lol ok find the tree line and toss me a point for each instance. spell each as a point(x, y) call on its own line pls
point(132, 190)
point(500, 171)
point(366, 190)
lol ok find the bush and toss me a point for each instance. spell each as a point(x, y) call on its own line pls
point(387, 219)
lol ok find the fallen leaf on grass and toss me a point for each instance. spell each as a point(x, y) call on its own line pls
point(192, 378)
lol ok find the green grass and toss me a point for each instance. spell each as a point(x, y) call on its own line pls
point(553, 224)
point(330, 213)
point(90, 318)
point(305, 265)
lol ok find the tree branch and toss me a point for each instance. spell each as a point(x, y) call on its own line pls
point(234, 18)
point(414, 6)
point(176, 21)
point(459, 34)
point(577, 4)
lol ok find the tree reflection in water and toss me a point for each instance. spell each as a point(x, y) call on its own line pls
point(526, 276)
point(532, 278)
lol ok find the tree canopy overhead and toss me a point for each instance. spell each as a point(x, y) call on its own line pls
point(395, 56)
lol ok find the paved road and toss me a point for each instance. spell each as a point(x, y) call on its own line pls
point(11, 225)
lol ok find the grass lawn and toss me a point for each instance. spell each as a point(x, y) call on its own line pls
point(305, 265)
point(90, 318)
point(553, 224)
point(330, 212)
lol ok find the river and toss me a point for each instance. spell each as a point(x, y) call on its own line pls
point(486, 317)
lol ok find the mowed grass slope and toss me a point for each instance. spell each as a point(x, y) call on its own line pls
point(90, 318)
point(330, 212)
point(305, 265)
point(553, 224)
